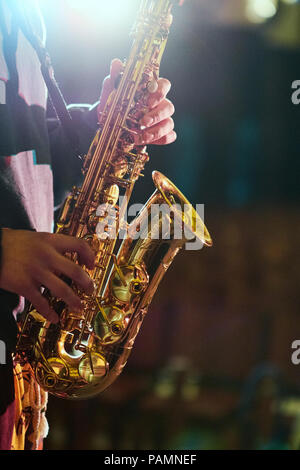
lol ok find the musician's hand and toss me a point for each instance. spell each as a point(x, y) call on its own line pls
point(157, 126)
point(31, 260)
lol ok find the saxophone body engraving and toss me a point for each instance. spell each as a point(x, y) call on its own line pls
point(83, 354)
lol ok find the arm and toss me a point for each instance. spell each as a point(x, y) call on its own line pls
point(66, 165)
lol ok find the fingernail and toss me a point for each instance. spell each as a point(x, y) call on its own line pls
point(148, 137)
point(147, 121)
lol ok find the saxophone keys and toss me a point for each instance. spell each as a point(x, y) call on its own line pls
point(92, 367)
point(117, 328)
point(120, 167)
point(53, 374)
point(111, 195)
point(92, 221)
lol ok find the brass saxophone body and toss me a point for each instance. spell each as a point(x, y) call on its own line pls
point(83, 354)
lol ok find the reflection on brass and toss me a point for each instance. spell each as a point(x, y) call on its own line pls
point(86, 351)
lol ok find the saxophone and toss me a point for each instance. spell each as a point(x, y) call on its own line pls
point(85, 352)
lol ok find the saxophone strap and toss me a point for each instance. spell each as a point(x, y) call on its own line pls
point(55, 94)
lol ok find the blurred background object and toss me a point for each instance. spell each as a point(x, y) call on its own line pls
point(212, 367)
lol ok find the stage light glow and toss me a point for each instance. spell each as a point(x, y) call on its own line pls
point(258, 11)
point(111, 11)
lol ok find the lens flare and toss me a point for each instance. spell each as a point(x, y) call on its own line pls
point(258, 11)
point(110, 11)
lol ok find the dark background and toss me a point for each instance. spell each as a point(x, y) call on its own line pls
point(211, 368)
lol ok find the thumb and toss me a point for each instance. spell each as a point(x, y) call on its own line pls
point(108, 85)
